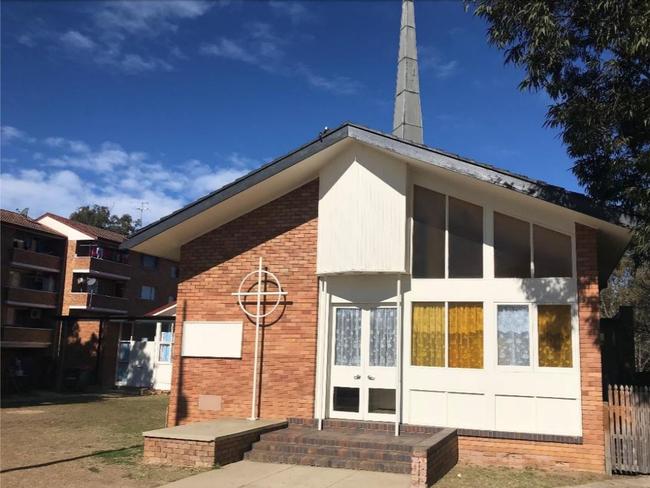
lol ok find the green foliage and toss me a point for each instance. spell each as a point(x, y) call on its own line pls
point(592, 57)
point(101, 217)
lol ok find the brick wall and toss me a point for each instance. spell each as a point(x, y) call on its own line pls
point(590, 455)
point(431, 462)
point(179, 452)
point(283, 232)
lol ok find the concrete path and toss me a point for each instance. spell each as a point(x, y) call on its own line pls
point(266, 475)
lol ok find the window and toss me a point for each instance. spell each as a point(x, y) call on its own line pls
point(174, 271)
point(428, 233)
point(513, 335)
point(382, 337)
point(347, 350)
point(428, 335)
point(149, 262)
point(511, 247)
point(147, 292)
point(465, 239)
point(552, 253)
point(462, 338)
point(554, 336)
point(166, 339)
point(465, 335)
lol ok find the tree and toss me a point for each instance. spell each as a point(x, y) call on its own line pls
point(101, 217)
point(592, 57)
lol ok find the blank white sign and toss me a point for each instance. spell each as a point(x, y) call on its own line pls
point(212, 339)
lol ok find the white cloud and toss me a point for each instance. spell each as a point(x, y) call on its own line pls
point(73, 174)
point(10, 134)
point(432, 60)
point(76, 40)
point(261, 47)
point(294, 10)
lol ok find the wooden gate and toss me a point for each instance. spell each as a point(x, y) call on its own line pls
point(627, 426)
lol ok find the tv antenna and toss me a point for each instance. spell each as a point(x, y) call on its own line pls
point(144, 206)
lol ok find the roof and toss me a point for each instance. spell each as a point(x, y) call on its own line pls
point(453, 162)
point(91, 230)
point(166, 309)
point(20, 220)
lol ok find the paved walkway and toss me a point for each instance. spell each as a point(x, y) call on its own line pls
point(249, 474)
point(620, 482)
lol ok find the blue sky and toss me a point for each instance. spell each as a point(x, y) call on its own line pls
point(121, 102)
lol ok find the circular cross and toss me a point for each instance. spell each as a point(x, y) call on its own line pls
point(278, 294)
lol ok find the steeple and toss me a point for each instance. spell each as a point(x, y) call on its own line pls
point(407, 118)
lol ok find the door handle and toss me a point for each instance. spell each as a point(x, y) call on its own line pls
point(370, 377)
point(357, 376)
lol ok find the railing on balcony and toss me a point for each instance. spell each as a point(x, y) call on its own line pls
point(36, 259)
point(94, 250)
point(93, 301)
point(38, 298)
point(17, 336)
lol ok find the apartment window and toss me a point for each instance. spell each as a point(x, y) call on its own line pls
point(428, 233)
point(552, 253)
point(174, 271)
point(149, 262)
point(554, 336)
point(147, 292)
point(462, 338)
point(513, 335)
point(511, 247)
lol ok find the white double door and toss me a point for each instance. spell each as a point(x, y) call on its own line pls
point(362, 363)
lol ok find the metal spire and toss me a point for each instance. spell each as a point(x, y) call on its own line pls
point(407, 118)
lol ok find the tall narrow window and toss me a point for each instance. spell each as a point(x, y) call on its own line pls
point(428, 335)
point(347, 350)
point(382, 337)
point(465, 335)
point(552, 253)
point(465, 239)
point(511, 247)
point(554, 329)
point(428, 233)
point(513, 335)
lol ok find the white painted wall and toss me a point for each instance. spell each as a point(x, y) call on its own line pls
point(503, 398)
point(362, 213)
point(66, 230)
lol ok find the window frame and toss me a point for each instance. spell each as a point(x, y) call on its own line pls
point(532, 329)
point(485, 211)
point(446, 349)
point(153, 296)
point(170, 343)
point(575, 338)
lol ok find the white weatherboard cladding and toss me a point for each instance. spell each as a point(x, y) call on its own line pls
point(362, 214)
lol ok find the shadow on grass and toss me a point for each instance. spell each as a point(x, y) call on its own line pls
point(52, 398)
point(112, 455)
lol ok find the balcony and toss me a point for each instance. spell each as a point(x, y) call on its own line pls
point(98, 303)
point(27, 337)
point(101, 267)
point(35, 260)
point(32, 298)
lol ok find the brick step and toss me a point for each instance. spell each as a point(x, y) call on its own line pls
point(302, 435)
point(306, 449)
point(328, 461)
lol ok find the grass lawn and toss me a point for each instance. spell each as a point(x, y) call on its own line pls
point(98, 443)
point(93, 443)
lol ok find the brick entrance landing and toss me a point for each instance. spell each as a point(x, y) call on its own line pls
point(363, 446)
point(205, 444)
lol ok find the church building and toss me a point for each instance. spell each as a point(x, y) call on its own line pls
point(400, 285)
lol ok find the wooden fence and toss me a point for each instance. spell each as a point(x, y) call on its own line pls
point(627, 429)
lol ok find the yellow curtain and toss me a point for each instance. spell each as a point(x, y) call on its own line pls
point(554, 329)
point(465, 335)
point(428, 334)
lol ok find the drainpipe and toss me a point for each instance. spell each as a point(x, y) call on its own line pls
point(398, 359)
point(325, 357)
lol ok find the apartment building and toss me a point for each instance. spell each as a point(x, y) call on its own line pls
point(54, 267)
point(33, 258)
